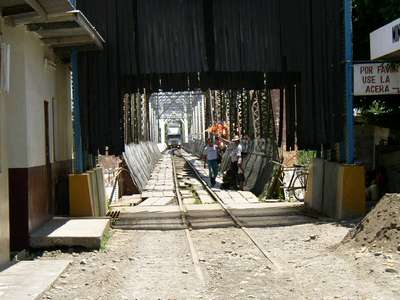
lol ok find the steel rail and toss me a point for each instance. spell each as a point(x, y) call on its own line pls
point(187, 225)
point(237, 222)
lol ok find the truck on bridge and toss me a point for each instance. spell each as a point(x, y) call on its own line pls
point(174, 135)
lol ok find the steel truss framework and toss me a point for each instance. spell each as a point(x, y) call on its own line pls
point(247, 112)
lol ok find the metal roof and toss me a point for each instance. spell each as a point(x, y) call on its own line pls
point(25, 11)
point(56, 22)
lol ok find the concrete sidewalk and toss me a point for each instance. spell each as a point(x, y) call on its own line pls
point(28, 280)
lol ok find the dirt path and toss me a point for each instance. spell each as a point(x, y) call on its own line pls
point(158, 265)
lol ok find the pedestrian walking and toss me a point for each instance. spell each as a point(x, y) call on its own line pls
point(212, 161)
point(236, 162)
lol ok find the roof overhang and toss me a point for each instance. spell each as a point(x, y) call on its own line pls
point(56, 22)
point(19, 12)
point(68, 30)
point(385, 42)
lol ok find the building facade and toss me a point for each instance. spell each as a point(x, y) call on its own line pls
point(36, 136)
point(39, 131)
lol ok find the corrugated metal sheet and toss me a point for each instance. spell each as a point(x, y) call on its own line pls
point(219, 44)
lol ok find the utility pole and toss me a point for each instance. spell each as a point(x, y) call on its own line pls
point(348, 28)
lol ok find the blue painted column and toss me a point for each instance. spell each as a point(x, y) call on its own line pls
point(76, 114)
point(348, 25)
point(78, 163)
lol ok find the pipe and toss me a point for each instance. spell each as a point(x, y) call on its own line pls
point(348, 25)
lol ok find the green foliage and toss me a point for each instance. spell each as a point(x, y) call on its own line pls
point(305, 158)
point(104, 241)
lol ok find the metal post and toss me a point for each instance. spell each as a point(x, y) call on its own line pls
point(76, 114)
point(348, 25)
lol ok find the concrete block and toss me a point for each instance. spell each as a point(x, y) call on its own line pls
point(314, 193)
point(336, 190)
point(70, 232)
point(101, 192)
point(351, 192)
point(94, 192)
point(80, 196)
point(329, 200)
point(28, 280)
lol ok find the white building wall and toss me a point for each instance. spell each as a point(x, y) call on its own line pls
point(40, 87)
point(16, 100)
point(31, 85)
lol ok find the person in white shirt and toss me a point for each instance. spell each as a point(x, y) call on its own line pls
point(212, 161)
point(236, 162)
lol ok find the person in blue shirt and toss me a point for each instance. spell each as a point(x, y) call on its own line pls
point(212, 160)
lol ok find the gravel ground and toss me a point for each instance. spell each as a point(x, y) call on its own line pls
point(158, 265)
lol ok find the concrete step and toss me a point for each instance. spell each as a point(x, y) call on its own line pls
point(205, 211)
point(149, 224)
point(272, 221)
point(150, 212)
point(203, 223)
point(264, 209)
point(70, 232)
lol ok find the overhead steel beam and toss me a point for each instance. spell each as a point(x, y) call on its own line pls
point(38, 8)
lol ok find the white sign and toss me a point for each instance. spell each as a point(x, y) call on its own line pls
point(385, 42)
point(376, 79)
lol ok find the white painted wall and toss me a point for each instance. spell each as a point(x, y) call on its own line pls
point(15, 101)
point(31, 85)
point(22, 132)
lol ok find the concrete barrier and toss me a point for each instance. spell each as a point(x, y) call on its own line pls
point(351, 192)
point(87, 194)
point(80, 196)
point(315, 193)
point(336, 190)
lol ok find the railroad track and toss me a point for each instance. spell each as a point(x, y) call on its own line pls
point(177, 159)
